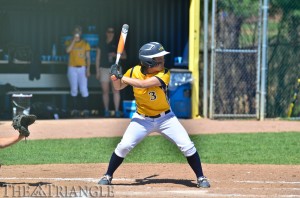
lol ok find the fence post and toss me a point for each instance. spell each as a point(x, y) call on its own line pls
point(212, 60)
point(205, 62)
point(264, 61)
point(257, 94)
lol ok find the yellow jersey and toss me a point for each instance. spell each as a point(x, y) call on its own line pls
point(77, 56)
point(154, 100)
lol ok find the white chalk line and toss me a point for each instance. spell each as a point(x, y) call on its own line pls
point(267, 182)
point(194, 193)
point(132, 180)
point(161, 192)
point(63, 179)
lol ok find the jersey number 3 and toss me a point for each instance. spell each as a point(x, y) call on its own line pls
point(152, 95)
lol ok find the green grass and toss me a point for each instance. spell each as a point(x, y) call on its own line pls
point(248, 31)
point(254, 148)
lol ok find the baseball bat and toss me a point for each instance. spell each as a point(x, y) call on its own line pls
point(291, 107)
point(121, 43)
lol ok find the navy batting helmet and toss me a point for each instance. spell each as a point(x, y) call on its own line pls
point(149, 51)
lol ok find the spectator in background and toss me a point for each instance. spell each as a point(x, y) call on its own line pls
point(106, 56)
point(78, 71)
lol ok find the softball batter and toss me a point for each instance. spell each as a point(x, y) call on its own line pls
point(150, 81)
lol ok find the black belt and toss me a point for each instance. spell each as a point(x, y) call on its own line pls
point(156, 116)
point(78, 66)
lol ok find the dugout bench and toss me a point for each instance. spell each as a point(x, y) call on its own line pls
point(48, 84)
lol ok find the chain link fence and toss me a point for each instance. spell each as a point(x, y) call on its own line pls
point(283, 59)
point(236, 58)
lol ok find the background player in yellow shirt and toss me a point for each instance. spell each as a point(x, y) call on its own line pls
point(150, 82)
point(78, 70)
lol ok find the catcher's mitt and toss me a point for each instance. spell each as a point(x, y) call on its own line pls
point(21, 123)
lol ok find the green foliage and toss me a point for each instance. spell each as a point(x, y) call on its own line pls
point(283, 56)
point(282, 78)
point(289, 8)
point(286, 4)
point(243, 9)
point(258, 148)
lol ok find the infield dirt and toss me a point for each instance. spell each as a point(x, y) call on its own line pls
point(148, 180)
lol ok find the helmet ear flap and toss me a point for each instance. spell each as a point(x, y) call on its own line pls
point(147, 62)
